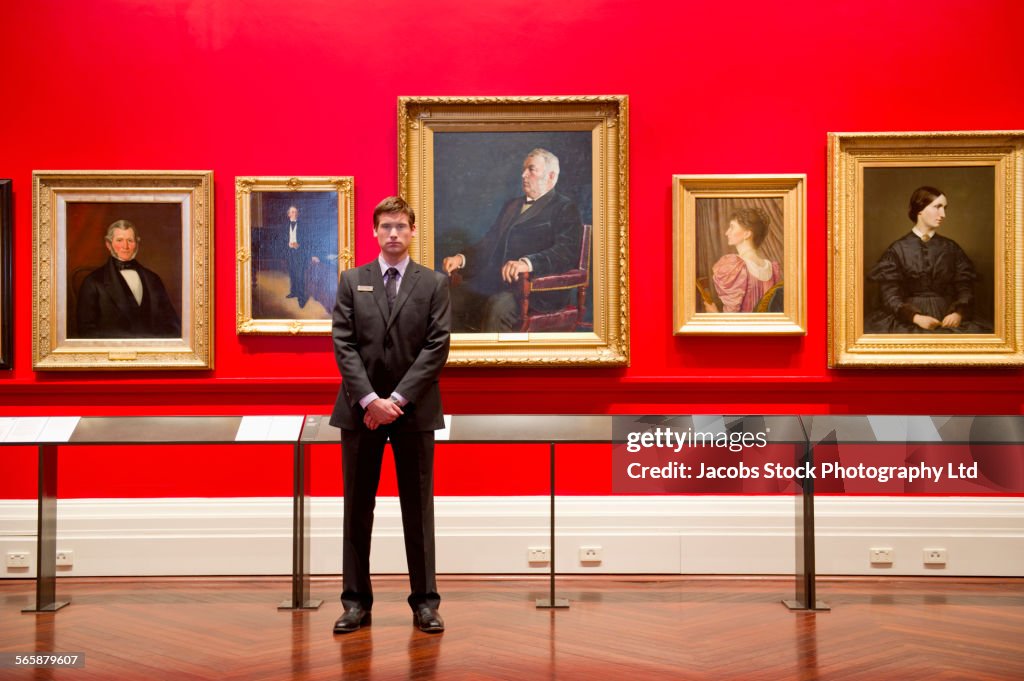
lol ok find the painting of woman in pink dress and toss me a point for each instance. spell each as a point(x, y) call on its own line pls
point(747, 279)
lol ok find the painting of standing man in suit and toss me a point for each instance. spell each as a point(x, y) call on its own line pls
point(294, 238)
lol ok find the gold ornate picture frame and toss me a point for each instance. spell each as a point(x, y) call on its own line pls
point(294, 238)
point(951, 299)
point(739, 244)
point(89, 309)
point(462, 164)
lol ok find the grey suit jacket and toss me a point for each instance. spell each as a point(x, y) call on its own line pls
point(403, 351)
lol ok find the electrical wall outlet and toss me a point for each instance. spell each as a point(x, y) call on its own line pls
point(591, 554)
point(538, 554)
point(880, 556)
point(65, 558)
point(17, 559)
point(935, 557)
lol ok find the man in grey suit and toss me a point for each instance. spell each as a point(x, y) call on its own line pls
point(539, 232)
point(391, 330)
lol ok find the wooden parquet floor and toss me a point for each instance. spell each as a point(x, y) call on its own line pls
point(617, 628)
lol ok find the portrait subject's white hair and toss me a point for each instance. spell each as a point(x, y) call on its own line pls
point(121, 224)
point(550, 160)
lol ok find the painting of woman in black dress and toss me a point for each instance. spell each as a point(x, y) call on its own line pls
point(926, 282)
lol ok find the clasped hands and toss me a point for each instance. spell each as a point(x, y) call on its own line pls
point(381, 412)
point(950, 321)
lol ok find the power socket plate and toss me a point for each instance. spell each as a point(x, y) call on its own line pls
point(17, 559)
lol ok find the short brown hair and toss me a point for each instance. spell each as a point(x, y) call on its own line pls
point(393, 204)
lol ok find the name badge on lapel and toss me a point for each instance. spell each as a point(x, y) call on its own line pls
point(362, 287)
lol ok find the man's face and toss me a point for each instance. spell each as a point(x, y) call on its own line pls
point(123, 245)
point(394, 234)
point(293, 214)
point(536, 178)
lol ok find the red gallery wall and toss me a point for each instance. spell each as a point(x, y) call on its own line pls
point(309, 87)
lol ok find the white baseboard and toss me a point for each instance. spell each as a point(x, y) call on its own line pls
point(668, 535)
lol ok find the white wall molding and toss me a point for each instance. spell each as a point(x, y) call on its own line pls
point(674, 535)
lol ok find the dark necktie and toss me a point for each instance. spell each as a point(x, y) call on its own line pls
point(125, 265)
point(391, 287)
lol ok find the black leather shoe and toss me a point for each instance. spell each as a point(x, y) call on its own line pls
point(352, 619)
point(428, 619)
point(291, 295)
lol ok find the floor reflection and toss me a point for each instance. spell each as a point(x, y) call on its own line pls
point(424, 653)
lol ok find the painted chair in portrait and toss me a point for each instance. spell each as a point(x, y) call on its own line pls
point(569, 318)
point(322, 283)
point(773, 300)
point(76, 280)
